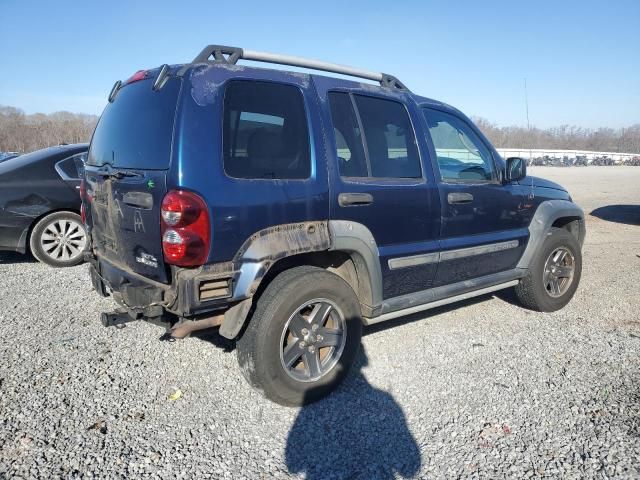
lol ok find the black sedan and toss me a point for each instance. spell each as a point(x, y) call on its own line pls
point(40, 205)
point(7, 155)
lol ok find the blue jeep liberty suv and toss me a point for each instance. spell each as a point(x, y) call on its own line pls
point(289, 209)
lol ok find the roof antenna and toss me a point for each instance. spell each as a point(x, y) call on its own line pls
point(526, 103)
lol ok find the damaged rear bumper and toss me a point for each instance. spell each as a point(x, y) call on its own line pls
point(196, 297)
point(202, 292)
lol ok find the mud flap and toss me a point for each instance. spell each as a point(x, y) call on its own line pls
point(234, 319)
point(96, 281)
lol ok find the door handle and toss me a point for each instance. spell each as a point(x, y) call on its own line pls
point(456, 198)
point(354, 199)
point(142, 200)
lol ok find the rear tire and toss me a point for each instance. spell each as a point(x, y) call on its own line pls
point(59, 239)
point(553, 275)
point(303, 336)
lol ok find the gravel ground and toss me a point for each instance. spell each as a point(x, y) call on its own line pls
point(482, 389)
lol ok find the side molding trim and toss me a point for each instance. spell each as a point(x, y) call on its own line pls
point(414, 260)
point(479, 250)
point(424, 259)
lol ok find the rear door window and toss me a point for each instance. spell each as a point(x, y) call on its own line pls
point(352, 161)
point(374, 139)
point(265, 133)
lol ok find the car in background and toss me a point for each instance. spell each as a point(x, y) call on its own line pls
point(7, 155)
point(40, 205)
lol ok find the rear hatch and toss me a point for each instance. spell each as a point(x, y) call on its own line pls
point(126, 175)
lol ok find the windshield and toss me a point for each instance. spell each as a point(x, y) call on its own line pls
point(136, 130)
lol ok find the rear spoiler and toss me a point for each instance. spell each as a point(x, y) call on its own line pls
point(161, 79)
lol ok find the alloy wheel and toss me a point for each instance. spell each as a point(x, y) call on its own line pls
point(313, 340)
point(63, 240)
point(558, 272)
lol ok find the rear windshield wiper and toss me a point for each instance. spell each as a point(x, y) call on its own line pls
point(118, 174)
point(123, 173)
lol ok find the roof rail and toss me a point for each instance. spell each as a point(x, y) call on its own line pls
point(231, 55)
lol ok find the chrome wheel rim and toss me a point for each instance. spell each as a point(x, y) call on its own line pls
point(313, 340)
point(559, 270)
point(63, 240)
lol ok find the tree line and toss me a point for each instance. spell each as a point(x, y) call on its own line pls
point(565, 137)
point(24, 133)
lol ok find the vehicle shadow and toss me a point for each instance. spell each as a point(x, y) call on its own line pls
point(359, 431)
point(627, 214)
point(8, 258)
point(211, 335)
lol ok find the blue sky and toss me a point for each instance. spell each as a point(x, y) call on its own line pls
point(581, 58)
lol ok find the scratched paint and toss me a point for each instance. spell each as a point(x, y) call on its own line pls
point(138, 223)
point(204, 89)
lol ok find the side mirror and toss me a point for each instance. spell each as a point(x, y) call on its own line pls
point(516, 169)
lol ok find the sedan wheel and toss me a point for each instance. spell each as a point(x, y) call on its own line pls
point(59, 240)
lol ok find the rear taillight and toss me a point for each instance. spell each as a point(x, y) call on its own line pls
point(83, 189)
point(83, 198)
point(185, 229)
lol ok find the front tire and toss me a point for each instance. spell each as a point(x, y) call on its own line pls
point(59, 239)
point(554, 273)
point(303, 336)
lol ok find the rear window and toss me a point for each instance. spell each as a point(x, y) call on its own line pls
point(265, 131)
point(135, 131)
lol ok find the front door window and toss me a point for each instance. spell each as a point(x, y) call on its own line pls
point(462, 156)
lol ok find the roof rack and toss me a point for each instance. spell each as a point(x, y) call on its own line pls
point(231, 55)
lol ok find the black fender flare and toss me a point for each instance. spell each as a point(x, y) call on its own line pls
point(546, 214)
point(266, 247)
point(356, 240)
point(256, 256)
